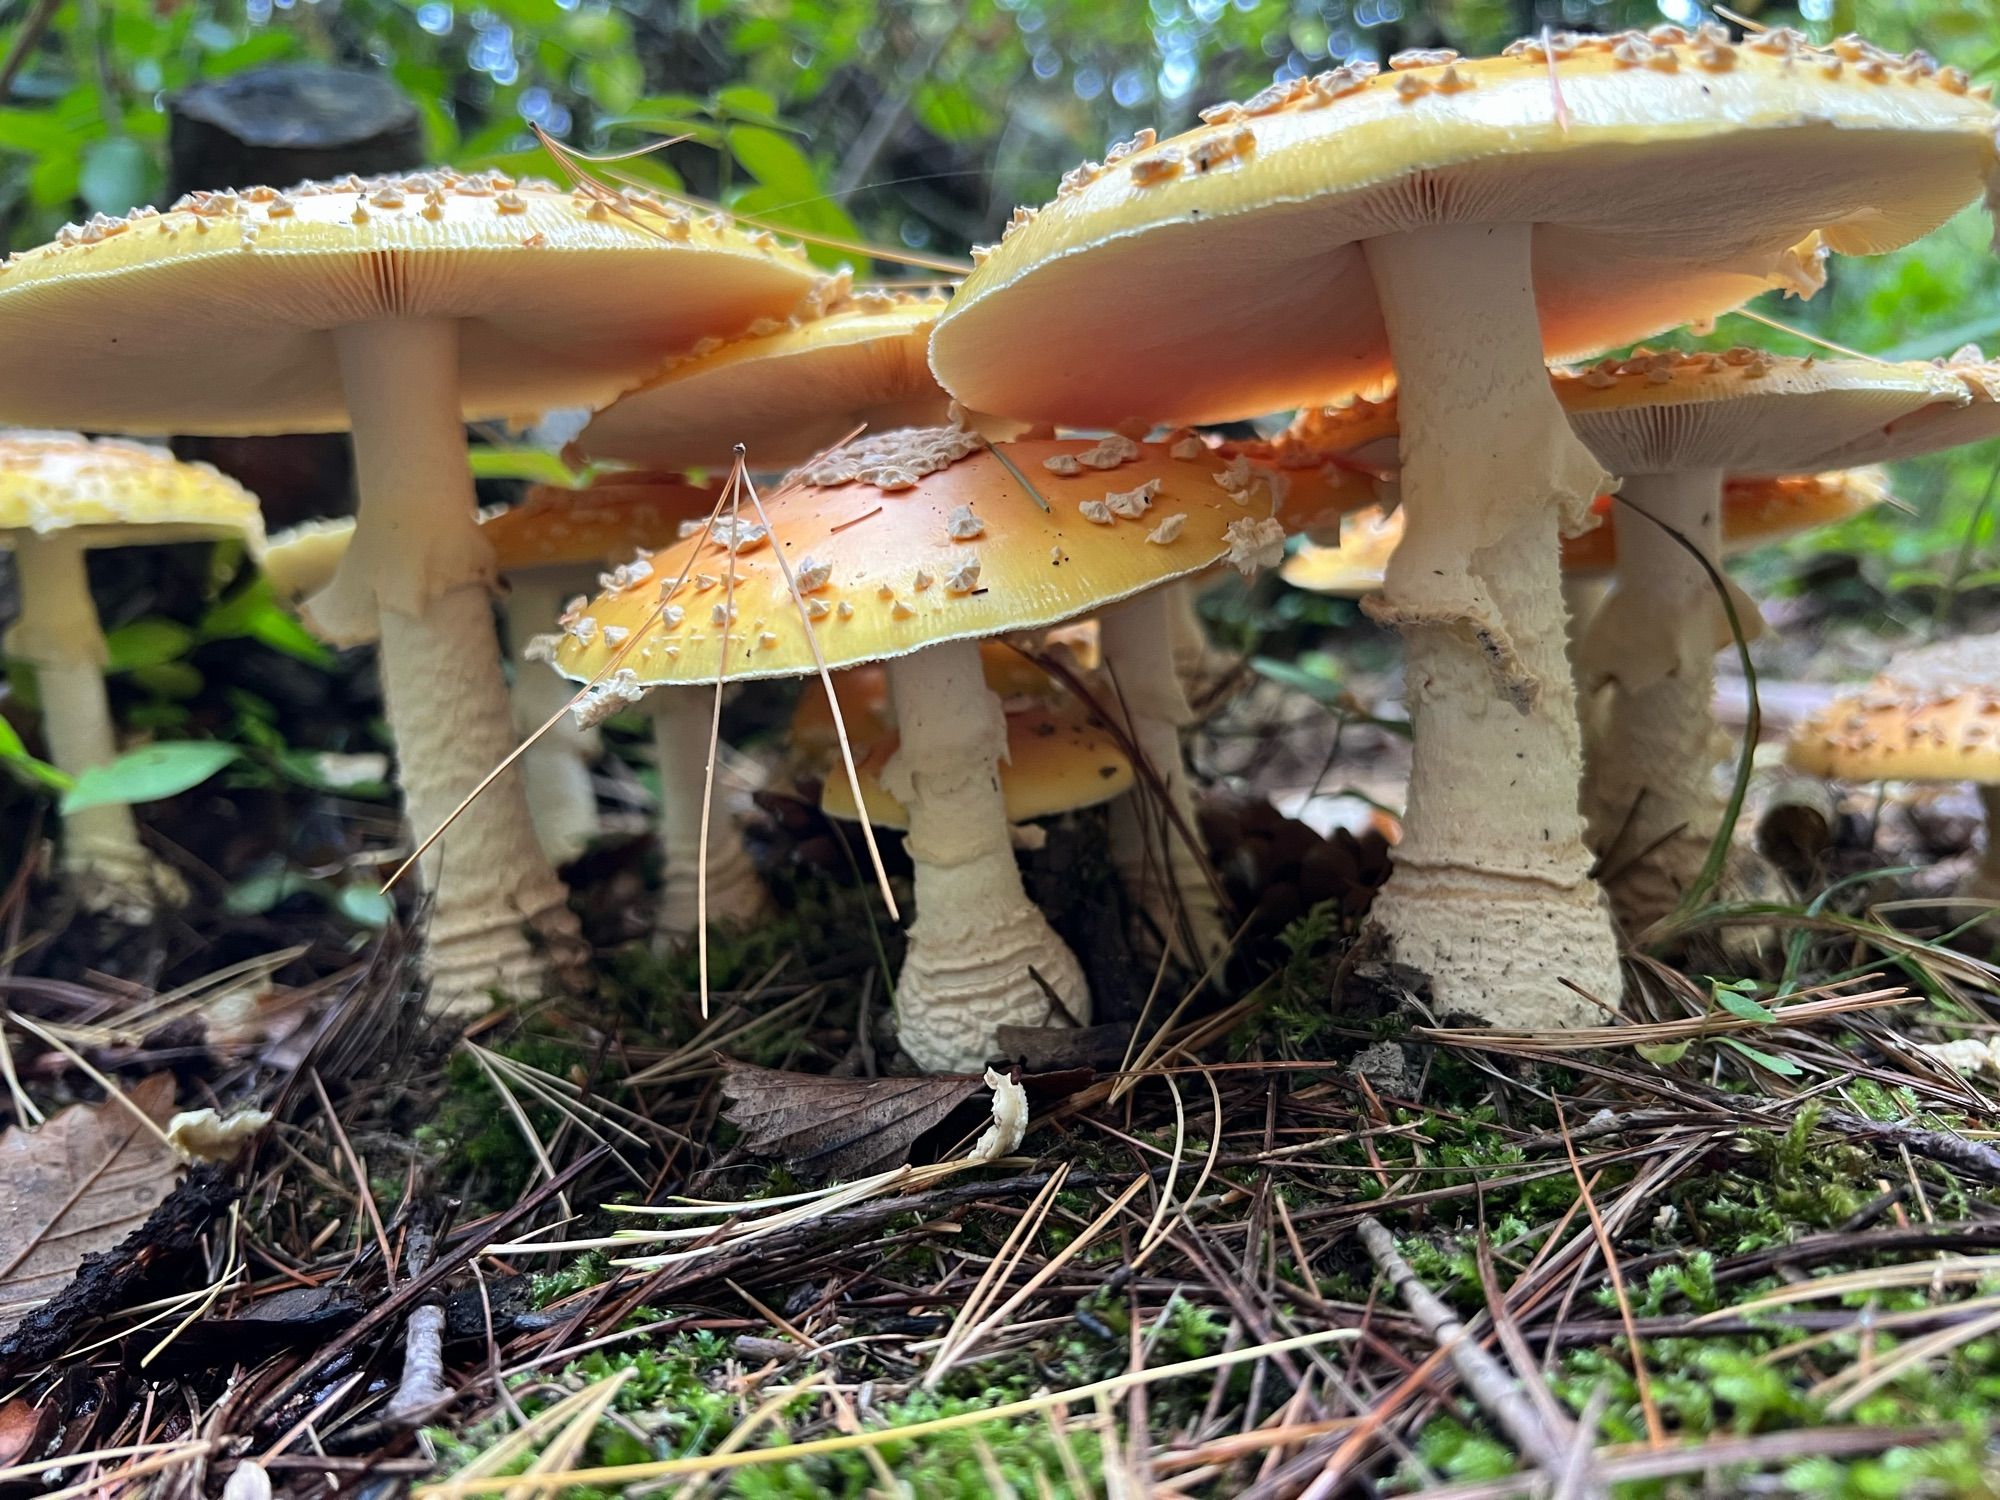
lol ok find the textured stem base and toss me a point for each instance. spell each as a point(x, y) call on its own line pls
point(419, 564)
point(58, 635)
point(1491, 894)
point(681, 719)
point(980, 955)
point(1165, 875)
point(491, 884)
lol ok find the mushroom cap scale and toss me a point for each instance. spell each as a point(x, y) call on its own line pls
point(1931, 715)
point(784, 394)
point(1755, 513)
point(118, 493)
point(898, 547)
point(1669, 176)
point(1057, 761)
point(215, 315)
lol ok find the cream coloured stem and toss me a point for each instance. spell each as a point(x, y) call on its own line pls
point(1189, 637)
point(1491, 894)
point(1649, 794)
point(418, 559)
point(681, 718)
point(556, 768)
point(59, 636)
point(1162, 871)
point(980, 955)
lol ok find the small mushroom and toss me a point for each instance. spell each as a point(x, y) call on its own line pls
point(62, 495)
point(1930, 715)
point(869, 518)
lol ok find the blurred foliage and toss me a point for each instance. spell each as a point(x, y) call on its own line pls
point(920, 124)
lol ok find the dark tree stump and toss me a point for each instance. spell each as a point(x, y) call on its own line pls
point(274, 127)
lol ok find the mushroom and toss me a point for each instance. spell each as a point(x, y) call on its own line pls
point(1755, 513)
point(395, 307)
point(60, 496)
point(784, 391)
point(1930, 715)
point(906, 548)
point(1455, 223)
point(550, 550)
point(1056, 761)
point(1672, 425)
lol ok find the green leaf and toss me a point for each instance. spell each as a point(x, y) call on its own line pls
point(146, 643)
point(148, 774)
point(774, 160)
point(1783, 1067)
point(252, 611)
point(1663, 1053)
point(37, 773)
point(173, 680)
point(365, 905)
point(1298, 679)
point(535, 465)
point(116, 175)
point(1738, 1001)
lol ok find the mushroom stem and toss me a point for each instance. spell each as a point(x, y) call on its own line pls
point(1649, 794)
point(419, 560)
point(1189, 637)
point(1164, 873)
point(58, 635)
point(980, 955)
point(681, 718)
point(1491, 895)
point(556, 767)
point(1985, 881)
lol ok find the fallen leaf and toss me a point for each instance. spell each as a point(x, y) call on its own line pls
point(838, 1127)
point(77, 1184)
point(23, 1429)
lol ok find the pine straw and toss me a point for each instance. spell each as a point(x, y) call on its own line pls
point(1217, 1184)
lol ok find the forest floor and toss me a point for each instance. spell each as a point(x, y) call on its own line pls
point(1271, 1232)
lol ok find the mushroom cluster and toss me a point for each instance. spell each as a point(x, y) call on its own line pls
point(1418, 258)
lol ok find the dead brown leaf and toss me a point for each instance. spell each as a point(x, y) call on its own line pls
point(23, 1427)
point(838, 1127)
point(78, 1184)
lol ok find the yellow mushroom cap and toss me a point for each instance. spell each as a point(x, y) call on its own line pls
point(1755, 512)
point(906, 539)
point(1670, 175)
point(1057, 761)
point(214, 315)
point(119, 492)
point(864, 699)
point(1931, 715)
point(784, 394)
point(300, 561)
point(604, 521)
point(1748, 412)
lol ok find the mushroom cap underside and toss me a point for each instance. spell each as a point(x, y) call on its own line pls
point(215, 316)
point(1220, 275)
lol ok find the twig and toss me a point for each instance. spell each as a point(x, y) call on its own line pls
point(422, 1386)
point(1488, 1382)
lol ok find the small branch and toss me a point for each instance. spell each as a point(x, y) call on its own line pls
point(25, 41)
point(422, 1387)
point(1497, 1392)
